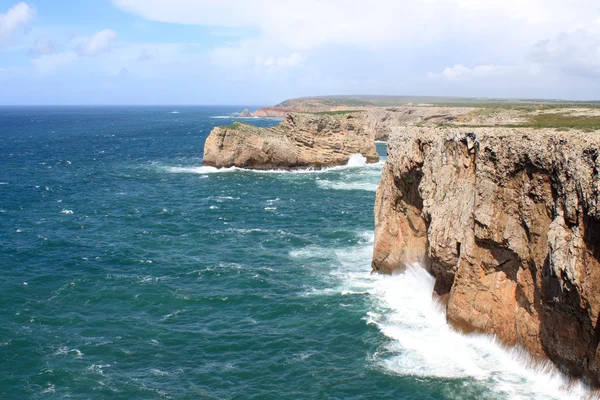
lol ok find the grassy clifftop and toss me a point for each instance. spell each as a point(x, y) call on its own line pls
point(390, 101)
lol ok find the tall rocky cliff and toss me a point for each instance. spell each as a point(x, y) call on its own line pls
point(299, 141)
point(508, 221)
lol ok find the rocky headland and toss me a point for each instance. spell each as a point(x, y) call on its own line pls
point(299, 141)
point(508, 221)
point(500, 204)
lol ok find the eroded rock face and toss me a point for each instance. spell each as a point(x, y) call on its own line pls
point(383, 121)
point(299, 141)
point(508, 222)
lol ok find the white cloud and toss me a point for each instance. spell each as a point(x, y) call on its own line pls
point(92, 46)
point(42, 46)
point(460, 71)
point(477, 39)
point(573, 53)
point(16, 20)
point(100, 42)
point(275, 64)
point(382, 23)
point(48, 63)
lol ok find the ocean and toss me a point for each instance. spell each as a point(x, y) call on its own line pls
point(130, 271)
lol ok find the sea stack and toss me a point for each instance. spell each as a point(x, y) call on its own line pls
point(299, 141)
point(246, 114)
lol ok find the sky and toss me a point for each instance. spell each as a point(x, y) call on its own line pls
point(265, 51)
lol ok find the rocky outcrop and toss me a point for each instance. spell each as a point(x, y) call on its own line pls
point(382, 121)
point(508, 221)
point(246, 114)
point(272, 112)
point(307, 105)
point(299, 141)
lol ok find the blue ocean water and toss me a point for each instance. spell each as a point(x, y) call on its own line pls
point(129, 271)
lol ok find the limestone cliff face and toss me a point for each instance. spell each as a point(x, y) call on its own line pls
point(299, 141)
point(382, 121)
point(508, 220)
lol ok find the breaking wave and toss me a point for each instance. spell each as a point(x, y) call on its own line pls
point(421, 343)
point(355, 161)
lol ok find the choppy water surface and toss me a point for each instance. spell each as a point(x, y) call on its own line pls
point(131, 271)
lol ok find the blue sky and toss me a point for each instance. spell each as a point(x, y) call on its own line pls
point(261, 52)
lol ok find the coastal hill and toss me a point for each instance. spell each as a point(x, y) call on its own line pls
point(336, 103)
point(384, 114)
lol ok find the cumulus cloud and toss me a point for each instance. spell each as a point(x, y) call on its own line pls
point(99, 43)
point(16, 20)
point(383, 23)
point(46, 62)
point(477, 39)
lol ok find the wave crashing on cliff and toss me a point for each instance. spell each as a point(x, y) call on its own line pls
point(355, 161)
point(420, 342)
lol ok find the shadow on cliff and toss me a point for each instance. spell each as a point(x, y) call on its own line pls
point(568, 334)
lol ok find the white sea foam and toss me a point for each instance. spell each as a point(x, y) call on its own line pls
point(64, 350)
point(240, 117)
point(158, 372)
point(67, 212)
point(217, 198)
point(50, 389)
point(199, 170)
point(422, 344)
point(341, 185)
point(98, 368)
point(356, 161)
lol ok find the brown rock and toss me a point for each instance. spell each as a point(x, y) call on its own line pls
point(272, 112)
point(384, 120)
point(299, 141)
point(508, 220)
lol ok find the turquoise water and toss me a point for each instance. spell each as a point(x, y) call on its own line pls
point(131, 271)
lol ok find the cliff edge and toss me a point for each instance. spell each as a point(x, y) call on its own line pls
point(299, 141)
point(508, 221)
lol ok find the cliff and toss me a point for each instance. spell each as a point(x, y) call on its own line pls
point(508, 221)
point(272, 112)
point(299, 141)
point(382, 121)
